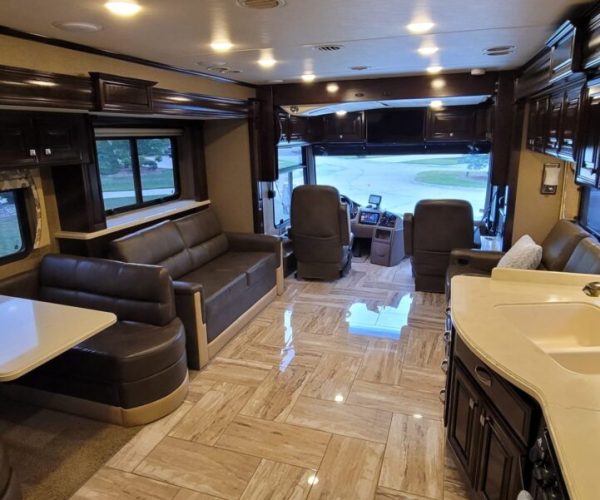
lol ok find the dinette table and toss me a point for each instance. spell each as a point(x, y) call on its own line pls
point(34, 332)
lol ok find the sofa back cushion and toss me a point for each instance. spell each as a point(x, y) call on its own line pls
point(560, 243)
point(203, 236)
point(160, 245)
point(585, 258)
point(134, 292)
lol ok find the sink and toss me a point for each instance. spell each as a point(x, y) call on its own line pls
point(569, 332)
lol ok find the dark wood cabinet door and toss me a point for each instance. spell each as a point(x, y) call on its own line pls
point(499, 474)
point(588, 161)
point(463, 420)
point(347, 128)
point(570, 124)
point(451, 124)
point(62, 138)
point(17, 141)
point(554, 124)
point(531, 124)
point(541, 117)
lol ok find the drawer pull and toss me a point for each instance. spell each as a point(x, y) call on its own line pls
point(443, 395)
point(444, 366)
point(472, 403)
point(483, 420)
point(484, 376)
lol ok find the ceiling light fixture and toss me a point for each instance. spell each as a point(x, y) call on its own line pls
point(77, 26)
point(418, 28)
point(308, 77)
point(438, 83)
point(340, 113)
point(332, 87)
point(436, 104)
point(42, 83)
point(123, 8)
point(313, 479)
point(267, 62)
point(427, 51)
point(434, 70)
point(221, 45)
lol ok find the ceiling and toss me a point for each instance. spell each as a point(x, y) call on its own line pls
point(372, 33)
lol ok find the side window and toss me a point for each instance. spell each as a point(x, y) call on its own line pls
point(291, 175)
point(14, 232)
point(137, 172)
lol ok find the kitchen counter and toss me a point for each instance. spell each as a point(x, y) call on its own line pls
point(570, 401)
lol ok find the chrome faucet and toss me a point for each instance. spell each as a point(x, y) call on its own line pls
point(592, 289)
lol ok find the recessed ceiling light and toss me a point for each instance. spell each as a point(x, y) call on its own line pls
point(313, 479)
point(438, 83)
point(221, 45)
point(341, 112)
point(332, 88)
point(77, 26)
point(478, 71)
point(308, 77)
point(436, 104)
point(123, 8)
point(434, 70)
point(267, 62)
point(418, 28)
point(339, 398)
point(41, 83)
point(427, 51)
point(418, 416)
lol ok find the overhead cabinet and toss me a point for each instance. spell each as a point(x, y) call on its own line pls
point(588, 161)
point(565, 52)
point(32, 139)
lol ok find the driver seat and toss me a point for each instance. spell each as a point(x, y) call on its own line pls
point(320, 233)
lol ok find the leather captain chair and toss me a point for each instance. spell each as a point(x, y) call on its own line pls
point(9, 488)
point(320, 233)
point(436, 228)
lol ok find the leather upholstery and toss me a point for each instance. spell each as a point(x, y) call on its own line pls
point(231, 271)
point(436, 228)
point(9, 489)
point(134, 293)
point(585, 258)
point(558, 246)
point(23, 285)
point(320, 232)
point(138, 360)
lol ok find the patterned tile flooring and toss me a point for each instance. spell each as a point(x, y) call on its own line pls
point(332, 392)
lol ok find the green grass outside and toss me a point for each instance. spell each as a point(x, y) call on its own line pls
point(444, 178)
point(437, 161)
point(10, 236)
point(151, 179)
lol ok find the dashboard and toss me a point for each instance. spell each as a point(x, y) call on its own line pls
point(369, 218)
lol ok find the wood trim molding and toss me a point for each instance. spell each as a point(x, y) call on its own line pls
point(21, 87)
point(56, 42)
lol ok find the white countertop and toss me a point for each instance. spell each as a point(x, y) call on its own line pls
point(135, 218)
point(34, 332)
point(570, 401)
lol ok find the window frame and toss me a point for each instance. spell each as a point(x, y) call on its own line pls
point(24, 227)
point(137, 176)
point(289, 172)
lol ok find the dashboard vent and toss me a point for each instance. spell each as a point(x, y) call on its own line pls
point(261, 4)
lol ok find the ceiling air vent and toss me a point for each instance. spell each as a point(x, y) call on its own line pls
point(328, 48)
point(219, 69)
point(261, 4)
point(501, 50)
point(359, 68)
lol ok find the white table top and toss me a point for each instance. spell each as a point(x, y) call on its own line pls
point(33, 332)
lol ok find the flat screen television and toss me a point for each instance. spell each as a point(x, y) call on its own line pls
point(388, 126)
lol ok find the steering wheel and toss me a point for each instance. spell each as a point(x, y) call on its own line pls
point(352, 205)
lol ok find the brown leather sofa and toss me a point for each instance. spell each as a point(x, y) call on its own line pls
point(567, 248)
point(320, 233)
point(221, 279)
point(436, 228)
point(9, 487)
point(131, 373)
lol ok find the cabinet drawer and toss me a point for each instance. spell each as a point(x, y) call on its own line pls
point(513, 406)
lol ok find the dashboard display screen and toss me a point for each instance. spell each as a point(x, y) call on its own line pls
point(370, 218)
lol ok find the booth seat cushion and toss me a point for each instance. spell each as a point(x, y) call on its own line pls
point(585, 258)
point(558, 246)
point(125, 352)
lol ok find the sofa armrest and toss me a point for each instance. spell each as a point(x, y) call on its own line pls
point(189, 304)
point(246, 242)
point(475, 259)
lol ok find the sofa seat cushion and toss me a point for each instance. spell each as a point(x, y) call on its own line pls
point(125, 352)
point(233, 270)
point(560, 243)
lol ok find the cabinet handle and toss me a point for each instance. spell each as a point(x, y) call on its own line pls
point(472, 403)
point(444, 366)
point(447, 336)
point(32, 152)
point(443, 395)
point(484, 376)
point(483, 420)
point(47, 151)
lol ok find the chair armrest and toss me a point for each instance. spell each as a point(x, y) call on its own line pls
point(187, 288)
point(407, 224)
point(245, 242)
point(476, 259)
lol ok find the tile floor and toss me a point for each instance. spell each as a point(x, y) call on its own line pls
point(332, 392)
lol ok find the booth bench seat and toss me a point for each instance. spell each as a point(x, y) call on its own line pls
point(221, 280)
